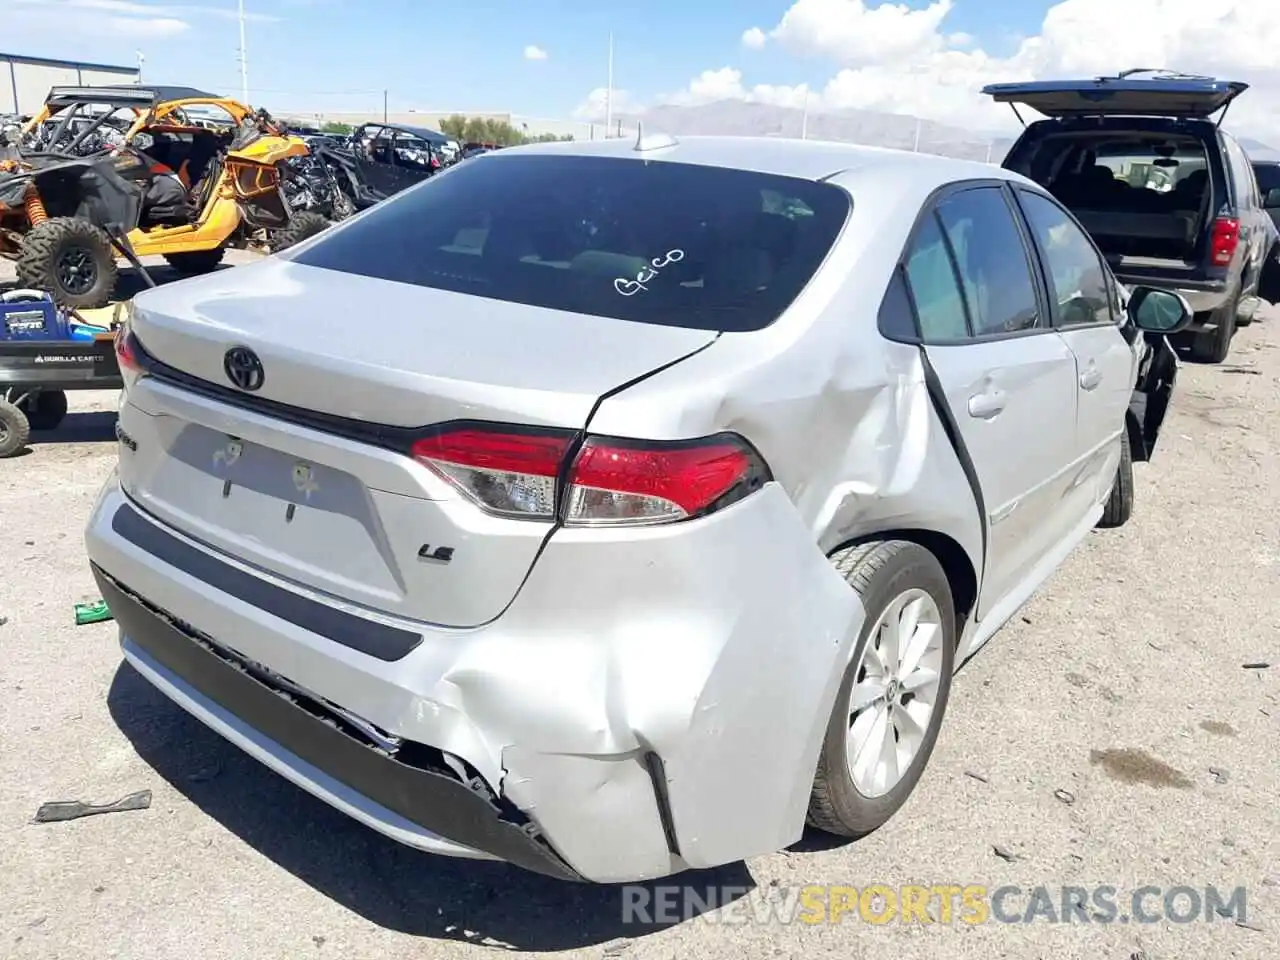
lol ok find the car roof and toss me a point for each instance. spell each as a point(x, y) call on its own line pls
point(433, 136)
point(804, 159)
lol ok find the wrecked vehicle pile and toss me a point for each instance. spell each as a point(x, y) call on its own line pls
point(108, 172)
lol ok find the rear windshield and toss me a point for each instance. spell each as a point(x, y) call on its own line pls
point(650, 241)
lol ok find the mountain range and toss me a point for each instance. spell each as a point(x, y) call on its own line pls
point(739, 118)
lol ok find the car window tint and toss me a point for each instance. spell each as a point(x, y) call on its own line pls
point(1268, 176)
point(1242, 174)
point(939, 305)
point(1078, 278)
point(991, 260)
point(667, 243)
point(896, 319)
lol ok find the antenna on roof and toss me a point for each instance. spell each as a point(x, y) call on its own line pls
point(653, 141)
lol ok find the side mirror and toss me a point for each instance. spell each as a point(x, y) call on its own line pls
point(1272, 198)
point(1159, 311)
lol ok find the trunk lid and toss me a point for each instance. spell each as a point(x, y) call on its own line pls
point(1126, 95)
point(332, 501)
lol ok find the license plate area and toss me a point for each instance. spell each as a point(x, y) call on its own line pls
point(297, 518)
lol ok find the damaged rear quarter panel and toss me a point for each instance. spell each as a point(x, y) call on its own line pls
point(718, 655)
point(844, 420)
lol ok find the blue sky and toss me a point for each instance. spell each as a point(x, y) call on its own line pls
point(335, 54)
point(923, 57)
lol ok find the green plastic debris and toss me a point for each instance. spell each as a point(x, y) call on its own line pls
point(95, 612)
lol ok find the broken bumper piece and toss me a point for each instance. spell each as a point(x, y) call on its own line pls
point(465, 817)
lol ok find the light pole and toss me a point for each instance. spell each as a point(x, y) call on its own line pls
point(244, 61)
point(141, 60)
point(608, 94)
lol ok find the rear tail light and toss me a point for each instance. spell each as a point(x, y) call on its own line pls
point(127, 352)
point(1226, 235)
point(610, 481)
point(508, 474)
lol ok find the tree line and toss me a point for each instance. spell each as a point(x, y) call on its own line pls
point(490, 130)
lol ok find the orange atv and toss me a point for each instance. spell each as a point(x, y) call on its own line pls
point(103, 173)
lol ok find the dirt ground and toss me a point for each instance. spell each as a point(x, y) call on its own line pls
point(1112, 734)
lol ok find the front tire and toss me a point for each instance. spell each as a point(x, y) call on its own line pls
point(1119, 506)
point(890, 706)
point(72, 260)
point(303, 226)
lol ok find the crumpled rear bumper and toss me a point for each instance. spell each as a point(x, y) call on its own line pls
point(646, 704)
point(465, 813)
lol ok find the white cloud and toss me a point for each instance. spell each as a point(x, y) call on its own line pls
point(119, 19)
point(592, 109)
point(895, 58)
point(532, 52)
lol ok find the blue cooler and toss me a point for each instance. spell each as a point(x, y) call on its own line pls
point(32, 320)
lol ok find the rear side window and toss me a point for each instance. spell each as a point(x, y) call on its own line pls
point(939, 303)
point(1242, 174)
point(992, 261)
point(648, 241)
point(1267, 175)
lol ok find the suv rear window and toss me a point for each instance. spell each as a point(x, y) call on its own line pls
point(650, 241)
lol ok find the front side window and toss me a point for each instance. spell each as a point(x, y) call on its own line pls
point(1078, 279)
point(992, 261)
point(647, 241)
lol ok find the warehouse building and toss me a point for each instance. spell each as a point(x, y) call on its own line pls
point(29, 79)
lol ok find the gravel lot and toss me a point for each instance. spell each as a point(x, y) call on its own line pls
point(1122, 683)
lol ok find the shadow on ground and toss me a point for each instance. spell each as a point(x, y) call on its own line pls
point(388, 884)
point(94, 427)
point(130, 282)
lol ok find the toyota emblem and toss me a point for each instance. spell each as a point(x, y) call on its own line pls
point(243, 368)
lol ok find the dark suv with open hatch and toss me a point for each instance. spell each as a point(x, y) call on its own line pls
point(1169, 197)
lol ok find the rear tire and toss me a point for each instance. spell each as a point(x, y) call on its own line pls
point(1213, 345)
point(303, 226)
point(46, 410)
point(851, 798)
point(196, 261)
point(72, 260)
point(14, 430)
point(1119, 507)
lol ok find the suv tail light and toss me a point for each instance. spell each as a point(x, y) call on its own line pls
point(1226, 234)
point(609, 481)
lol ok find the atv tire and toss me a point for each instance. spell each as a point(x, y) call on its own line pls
point(343, 206)
point(14, 430)
point(72, 260)
point(45, 410)
point(196, 261)
point(303, 226)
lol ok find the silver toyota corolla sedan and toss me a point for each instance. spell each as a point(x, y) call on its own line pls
point(616, 508)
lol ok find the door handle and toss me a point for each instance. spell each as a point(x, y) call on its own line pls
point(1090, 377)
point(985, 406)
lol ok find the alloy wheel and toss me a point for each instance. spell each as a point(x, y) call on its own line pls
point(895, 690)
